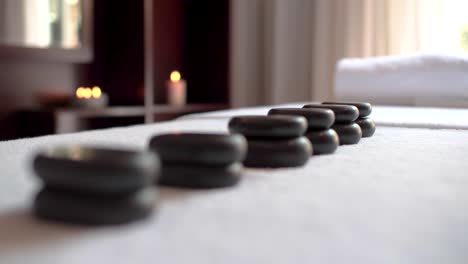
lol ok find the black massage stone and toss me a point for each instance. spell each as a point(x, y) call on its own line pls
point(365, 109)
point(348, 133)
point(323, 141)
point(277, 126)
point(85, 209)
point(193, 176)
point(316, 118)
point(343, 113)
point(367, 126)
point(96, 170)
point(278, 153)
point(193, 148)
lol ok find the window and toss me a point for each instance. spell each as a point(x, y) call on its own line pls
point(444, 25)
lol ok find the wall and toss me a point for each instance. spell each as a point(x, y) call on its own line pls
point(118, 47)
point(21, 81)
point(192, 36)
point(206, 50)
point(168, 33)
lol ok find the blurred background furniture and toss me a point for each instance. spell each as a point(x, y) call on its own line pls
point(109, 52)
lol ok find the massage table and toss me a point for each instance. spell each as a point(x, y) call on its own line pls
point(397, 197)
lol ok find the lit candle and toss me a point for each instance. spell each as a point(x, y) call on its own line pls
point(90, 97)
point(176, 89)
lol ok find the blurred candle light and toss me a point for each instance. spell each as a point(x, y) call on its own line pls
point(90, 97)
point(96, 92)
point(176, 89)
point(87, 94)
point(175, 76)
point(80, 92)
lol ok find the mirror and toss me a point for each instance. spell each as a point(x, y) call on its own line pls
point(41, 23)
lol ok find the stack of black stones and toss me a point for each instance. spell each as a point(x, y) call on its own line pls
point(364, 121)
point(97, 186)
point(345, 116)
point(273, 141)
point(200, 160)
point(323, 138)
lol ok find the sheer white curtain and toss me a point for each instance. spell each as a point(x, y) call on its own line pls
point(365, 28)
point(383, 27)
point(286, 50)
point(271, 51)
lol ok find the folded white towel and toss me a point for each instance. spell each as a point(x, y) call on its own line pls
point(419, 79)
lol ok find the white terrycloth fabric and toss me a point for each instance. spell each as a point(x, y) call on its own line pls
point(420, 79)
point(395, 116)
point(398, 197)
point(422, 117)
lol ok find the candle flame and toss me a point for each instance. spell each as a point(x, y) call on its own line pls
point(79, 92)
point(96, 92)
point(88, 93)
point(175, 76)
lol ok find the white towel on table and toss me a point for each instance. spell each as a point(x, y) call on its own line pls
point(419, 79)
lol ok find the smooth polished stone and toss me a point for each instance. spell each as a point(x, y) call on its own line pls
point(316, 118)
point(365, 109)
point(201, 177)
point(196, 148)
point(348, 133)
point(367, 126)
point(277, 126)
point(323, 141)
point(264, 153)
point(96, 170)
point(343, 113)
point(83, 209)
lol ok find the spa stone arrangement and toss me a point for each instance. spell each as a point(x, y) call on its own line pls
point(273, 141)
point(323, 138)
point(95, 186)
point(200, 160)
point(100, 186)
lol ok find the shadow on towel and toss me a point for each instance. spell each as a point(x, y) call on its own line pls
point(175, 194)
point(20, 230)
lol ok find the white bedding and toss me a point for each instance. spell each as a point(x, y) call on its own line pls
point(398, 197)
point(394, 116)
